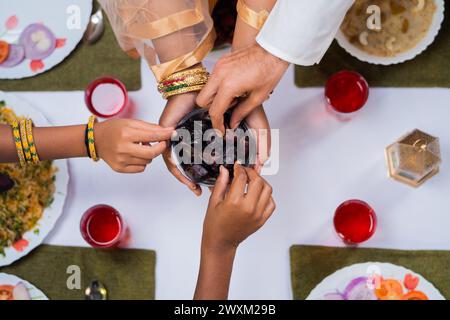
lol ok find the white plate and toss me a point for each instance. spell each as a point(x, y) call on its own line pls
point(405, 56)
point(338, 281)
point(35, 293)
point(67, 19)
point(52, 213)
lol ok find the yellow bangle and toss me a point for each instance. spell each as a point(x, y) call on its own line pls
point(23, 137)
point(30, 138)
point(91, 138)
point(18, 143)
point(183, 81)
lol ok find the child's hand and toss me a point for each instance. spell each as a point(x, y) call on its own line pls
point(234, 215)
point(124, 143)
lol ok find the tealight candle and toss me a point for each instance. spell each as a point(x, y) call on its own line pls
point(355, 221)
point(102, 226)
point(346, 92)
point(106, 97)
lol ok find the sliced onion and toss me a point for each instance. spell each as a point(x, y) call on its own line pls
point(38, 40)
point(357, 290)
point(15, 56)
point(334, 296)
point(20, 292)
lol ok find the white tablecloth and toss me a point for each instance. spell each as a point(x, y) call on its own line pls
point(323, 162)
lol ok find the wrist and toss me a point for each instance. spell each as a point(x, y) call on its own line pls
point(218, 248)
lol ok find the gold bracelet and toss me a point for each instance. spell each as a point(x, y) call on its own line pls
point(18, 143)
point(30, 138)
point(91, 138)
point(183, 90)
point(23, 137)
point(183, 81)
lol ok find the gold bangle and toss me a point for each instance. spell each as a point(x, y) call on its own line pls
point(183, 81)
point(18, 143)
point(167, 95)
point(23, 137)
point(91, 138)
point(30, 138)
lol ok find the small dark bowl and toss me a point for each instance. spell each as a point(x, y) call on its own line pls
point(205, 171)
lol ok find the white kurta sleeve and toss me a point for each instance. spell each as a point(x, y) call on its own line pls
point(300, 31)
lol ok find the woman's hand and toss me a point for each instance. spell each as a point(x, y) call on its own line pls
point(235, 214)
point(124, 144)
point(257, 120)
point(177, 107)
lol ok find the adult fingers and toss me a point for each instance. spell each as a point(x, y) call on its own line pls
point(244, 108)
point(206, 95)
point(237, 188)
point(220, 188)
point(222, 101)
point(179, 176)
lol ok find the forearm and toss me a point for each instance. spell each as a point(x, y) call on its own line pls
point(214, 275)
point(51, 143)
point(244, 34)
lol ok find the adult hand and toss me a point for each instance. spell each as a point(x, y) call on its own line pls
point(257, 120)
point(235, 214)
point(252, 72)
point(124, 144)
point(176, 108)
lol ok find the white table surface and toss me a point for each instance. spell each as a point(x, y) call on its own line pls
point(322, 163)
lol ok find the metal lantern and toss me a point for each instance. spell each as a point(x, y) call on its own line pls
point(414, 158)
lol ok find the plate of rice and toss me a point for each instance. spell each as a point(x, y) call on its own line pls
point(30, 209)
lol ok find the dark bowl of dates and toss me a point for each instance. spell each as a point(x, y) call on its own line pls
point(203, 169)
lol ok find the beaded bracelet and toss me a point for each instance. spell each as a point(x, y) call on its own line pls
point(30, 138)
point(23, 136)
point(91, 139)
point(18, 143)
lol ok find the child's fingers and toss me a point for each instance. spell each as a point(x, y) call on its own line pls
point(139, 161)
point(151, 135)
point(255, 185)
point(268, 211)
point(220, 188)
point(237, 188)
point(148, 152)
point(133, 169)
point(264, 200)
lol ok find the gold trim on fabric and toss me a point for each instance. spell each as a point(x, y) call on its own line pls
point(251, 17)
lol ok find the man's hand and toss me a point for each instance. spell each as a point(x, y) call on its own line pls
point(252, 72)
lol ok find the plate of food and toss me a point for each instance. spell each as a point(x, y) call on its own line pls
point(31, 198)
point(14, 288)
point(390, 32)
point(35, 36)
point(375, 281)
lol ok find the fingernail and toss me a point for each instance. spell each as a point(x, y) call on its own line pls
point(194, 187)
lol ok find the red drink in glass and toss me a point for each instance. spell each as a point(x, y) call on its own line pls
point(346, 92)
point(106, 97)
point(355, 221)
point(102, 227)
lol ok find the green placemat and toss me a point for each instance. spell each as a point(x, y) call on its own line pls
point(127, 273)
point(429, 69)
point(310, 264)
point(83, 65)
